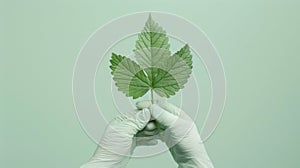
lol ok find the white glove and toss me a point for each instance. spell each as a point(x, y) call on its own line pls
point(180, 134)
point(118, 141)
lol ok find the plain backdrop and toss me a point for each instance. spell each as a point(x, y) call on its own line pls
point(258, 42)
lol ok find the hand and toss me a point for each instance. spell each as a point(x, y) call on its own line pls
point(180, 134)
point(119, 141)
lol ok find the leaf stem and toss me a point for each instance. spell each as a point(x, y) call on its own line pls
point(152, 96)
point(156, 123)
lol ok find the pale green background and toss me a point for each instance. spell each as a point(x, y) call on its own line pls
point(258, 42)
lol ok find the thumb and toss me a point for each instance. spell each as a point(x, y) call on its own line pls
point(143, 104)
point(142, 118)
point(162, 116)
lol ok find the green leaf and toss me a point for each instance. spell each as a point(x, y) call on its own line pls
point(172, 74)
point(115, 60)
point(185, 54)
point(162, 82)
point(152, 45)
point(157, 69)
point(129, 77)
point(179, 65)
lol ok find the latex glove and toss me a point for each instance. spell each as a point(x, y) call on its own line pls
point(180, 134)
point(119, 141)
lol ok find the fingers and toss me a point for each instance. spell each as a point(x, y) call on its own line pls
point(142, 118)
point(130, 123)
point(149, 130)
point(150, 126)
point(162, 116)
point(143, 104)
point(165, 113)
point(163, 104)
point(174, 110)
point(169, 107)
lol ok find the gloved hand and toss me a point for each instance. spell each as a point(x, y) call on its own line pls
point(180, 134)
point(119, 141)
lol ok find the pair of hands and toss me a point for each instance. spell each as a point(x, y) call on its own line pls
point(129, 130)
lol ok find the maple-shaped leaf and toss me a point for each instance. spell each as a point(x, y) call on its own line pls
point(157, 69)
